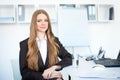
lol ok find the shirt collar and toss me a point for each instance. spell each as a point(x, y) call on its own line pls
point(45, 38)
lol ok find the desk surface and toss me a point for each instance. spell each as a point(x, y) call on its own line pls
point(85, 71)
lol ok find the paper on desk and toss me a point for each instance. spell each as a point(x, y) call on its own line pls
point(98, 74)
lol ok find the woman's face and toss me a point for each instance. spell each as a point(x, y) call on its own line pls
point(42, 22)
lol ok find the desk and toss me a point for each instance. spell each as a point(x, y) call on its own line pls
point(85, 71)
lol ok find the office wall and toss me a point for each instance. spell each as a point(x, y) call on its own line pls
point(105, 34)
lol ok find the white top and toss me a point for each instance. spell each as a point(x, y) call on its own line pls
point(42, 46)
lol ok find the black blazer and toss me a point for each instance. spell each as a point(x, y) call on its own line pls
point(28, 74)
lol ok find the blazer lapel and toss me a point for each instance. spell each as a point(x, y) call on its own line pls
point(47, 60)
point(40, 62)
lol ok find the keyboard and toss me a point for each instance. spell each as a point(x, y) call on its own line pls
point(108, 62)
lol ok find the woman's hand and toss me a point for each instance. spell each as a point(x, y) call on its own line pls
point(51, 73)
point(56, 74)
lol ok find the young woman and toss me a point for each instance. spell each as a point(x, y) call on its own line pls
point(42, 53)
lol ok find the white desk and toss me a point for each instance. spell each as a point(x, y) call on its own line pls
point(85, 71)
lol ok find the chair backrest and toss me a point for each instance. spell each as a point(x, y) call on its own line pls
point(15, 69)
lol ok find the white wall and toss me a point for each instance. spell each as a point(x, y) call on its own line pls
point(104, 34)
point(107, 34)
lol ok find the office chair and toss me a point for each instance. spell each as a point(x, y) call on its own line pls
point(15, 69)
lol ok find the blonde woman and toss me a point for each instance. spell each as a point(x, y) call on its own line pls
point(40, 52)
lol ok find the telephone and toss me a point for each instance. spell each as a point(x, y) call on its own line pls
point(89, 58)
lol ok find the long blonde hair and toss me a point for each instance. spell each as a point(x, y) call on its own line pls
point(33, 52)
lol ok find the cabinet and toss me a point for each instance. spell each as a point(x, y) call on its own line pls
point(105, 12)
point(51, 10)
point(92, 12)
point(24, 13)
point(7, 13)
point(95, 12)
point(100, 12)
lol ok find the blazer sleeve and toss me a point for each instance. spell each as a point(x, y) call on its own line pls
point(26, 73)
point(64, 55)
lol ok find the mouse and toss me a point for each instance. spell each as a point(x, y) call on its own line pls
point(99, 66)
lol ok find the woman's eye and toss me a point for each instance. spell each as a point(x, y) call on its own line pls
point(45, 20)
point(39, 20)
